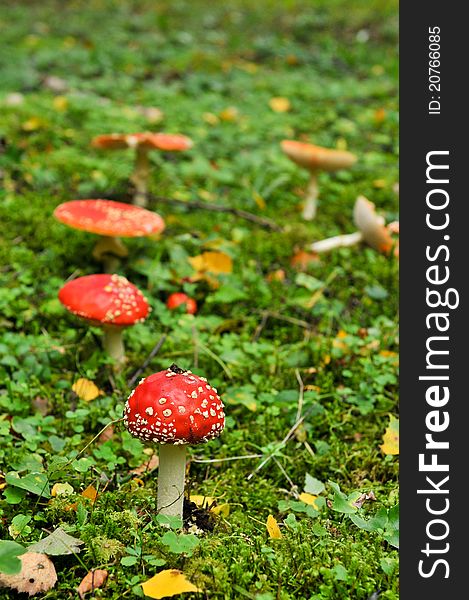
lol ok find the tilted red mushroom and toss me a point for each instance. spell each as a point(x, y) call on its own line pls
point(108, 301)
point(142, 143)
point(177, 298)
point(111, 220)
point(173, 408)
point(314, 159)
point(371, 230)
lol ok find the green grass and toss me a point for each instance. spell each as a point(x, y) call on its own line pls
point(337, 64)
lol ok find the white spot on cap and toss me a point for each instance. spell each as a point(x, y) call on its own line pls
point(167, 412)
point(181, 410)
point(149, 411)
point(162, 401)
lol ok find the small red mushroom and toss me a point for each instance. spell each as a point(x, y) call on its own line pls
point(111, 220)
point(178, 298)
point(174, 408)
point(109, 301)
point(142, 143)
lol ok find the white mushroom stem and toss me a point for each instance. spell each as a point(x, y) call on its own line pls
point(140, 176)
point(311, 198)
point(171, 475)
point(113, 343)
point(338, 241)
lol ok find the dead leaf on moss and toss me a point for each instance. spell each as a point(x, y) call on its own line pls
point(37, 575)
point(91, 581)
point(86, 389)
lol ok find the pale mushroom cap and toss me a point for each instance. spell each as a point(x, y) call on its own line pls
point(106, 217)
point(169, 142)
point(371, 225)
point(37, 575)
point(317, 158)
point(105, 300)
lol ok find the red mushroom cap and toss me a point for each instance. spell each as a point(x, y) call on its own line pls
point(106, 217)
point(105, 299)
point(168, 142)
point(174, 407)
point(178, 298)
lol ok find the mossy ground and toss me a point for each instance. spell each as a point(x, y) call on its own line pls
point(212, 68)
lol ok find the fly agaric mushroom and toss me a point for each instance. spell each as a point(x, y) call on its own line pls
point(142, 143)
point(108, 301)
point(315, 159)
point(178, 298)
point(173, 408)
point(371, 230)
point(111, 220)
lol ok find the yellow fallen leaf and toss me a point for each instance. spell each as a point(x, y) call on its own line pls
point(308, 499)
point(230, 113)
point(201, 501)
point(86, 389)
point(213, 262)
point(169, 582)
point(259, 200)
point(273, 528)
point(210, 118)
point(391, 437)
point(280, 104)
point(32, 124)
point(61, 489)
point(60, 103)
point(222, 510)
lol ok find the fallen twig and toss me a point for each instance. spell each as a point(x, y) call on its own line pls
point(243, 214)
point(152, 355)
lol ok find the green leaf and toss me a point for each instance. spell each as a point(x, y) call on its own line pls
point(57, 543)
point(340, 572)
point(128, 561)
point(14, 495)
point(35, 483)
point(180, 544)
point(169, 521)
point(9, 552)
point(19, 525)
point(313, 486)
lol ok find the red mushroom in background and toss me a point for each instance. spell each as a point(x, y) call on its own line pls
point(108, 301)
point(178, 298)
point(174, 408)
point(111, 220)
point(142, 143)
point(314, 159)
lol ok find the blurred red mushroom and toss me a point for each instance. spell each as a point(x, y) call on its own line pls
point(142, 143)
point(173, 408)
point(179, 298)
point(314, 159)
point(108, 301)
point(111, 220)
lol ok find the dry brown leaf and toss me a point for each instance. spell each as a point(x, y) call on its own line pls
point(302, 259)
point(360, 501)
point(273, 528)
point(147, 466)
point(37, 575)
point(91, 581)
point(86, 389)
point(41, 405)
point(90, 493)
point(169, 582)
